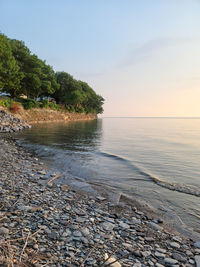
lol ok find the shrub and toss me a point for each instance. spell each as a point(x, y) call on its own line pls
point(54, 106)
point(15, 107)
point(45, 103)
point(6, 102)
point(80, 110)
point(29, 103)
point(70, 108)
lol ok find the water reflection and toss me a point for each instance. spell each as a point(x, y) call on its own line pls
point(74, 136)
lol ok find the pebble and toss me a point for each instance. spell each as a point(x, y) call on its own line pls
point(110, 260)
point(197, 244)
point(66, 225)
point(179, 257)
point(170, 261)
point(174, 245)
point(107, 226)
point(155, 226)
point(4, 231)
point(197, 260)
point(124, 225)
point(160, 255)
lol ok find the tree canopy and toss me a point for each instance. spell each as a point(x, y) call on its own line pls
point(10, 75)
point(22, 72)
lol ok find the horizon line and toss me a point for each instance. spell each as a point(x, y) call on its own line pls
point(154, 117)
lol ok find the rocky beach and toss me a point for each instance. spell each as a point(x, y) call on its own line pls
point(45, 223)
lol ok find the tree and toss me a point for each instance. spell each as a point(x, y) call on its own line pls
point(10, 75)
point(92, 103)
point(22, 72)
point(67, 85)
point(39, 78)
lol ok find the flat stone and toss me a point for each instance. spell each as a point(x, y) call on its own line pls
point(197, 251)
point(161, 250)
point(67, 233)
point(179, 257)
point(85, 231)
point(136, 221)
point(145, 254)
point(101, 198)
point(110, 260)
point(159, 265)
point(159, 255)
point(77, 234)
point(197, 244)
point(4, 231)
point(124, 225)
point(149, 239)
point(197, 260)
point(170, 261)
point(107, 226)
point(174, 245)
point(80, 219)
point(155, 226)
point(79, 212)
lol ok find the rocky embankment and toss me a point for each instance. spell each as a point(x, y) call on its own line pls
point(44, 223)
point(9, 123)
point(38, 115)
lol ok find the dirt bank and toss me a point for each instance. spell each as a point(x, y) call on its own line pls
point(48, 115)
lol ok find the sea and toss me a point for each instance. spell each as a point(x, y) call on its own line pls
point(152, 160)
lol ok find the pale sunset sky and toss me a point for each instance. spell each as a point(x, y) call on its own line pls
point(142, 56)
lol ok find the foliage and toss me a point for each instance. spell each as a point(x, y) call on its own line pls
point(22, 72)
point(6, 102)
point(54, 106)
point(15, 107)
point(77, 94)
point(45, 103)
point(28, 103)
point(10, 75)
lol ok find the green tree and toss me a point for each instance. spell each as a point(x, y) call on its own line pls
point(10, 75)
point(24, 73)
point(67, 85)
point(39, 78)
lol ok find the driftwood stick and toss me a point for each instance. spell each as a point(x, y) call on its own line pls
point(22, 238)
point(125, 256)
point(105, 260)
point(90, 252)
point(26, 242)
point(58, 176)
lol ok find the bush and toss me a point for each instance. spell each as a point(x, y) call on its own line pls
point(80, 110)
point(29, 103)
point(6, 102)
point(54, 106)
point(45, 104)
point(15, 107)
point(70, 108)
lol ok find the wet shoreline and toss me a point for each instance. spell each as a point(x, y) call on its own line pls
point(62, 225)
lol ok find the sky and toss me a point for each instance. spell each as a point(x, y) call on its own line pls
point(142, 56)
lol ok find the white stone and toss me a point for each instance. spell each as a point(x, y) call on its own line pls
point(110, 260)
point(174, 245)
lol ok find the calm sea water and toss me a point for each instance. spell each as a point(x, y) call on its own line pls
point(156, 160)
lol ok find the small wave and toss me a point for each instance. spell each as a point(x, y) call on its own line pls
point(183, 188)
point(179, 187)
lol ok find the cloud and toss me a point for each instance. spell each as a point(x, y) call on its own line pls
point(148, 49)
